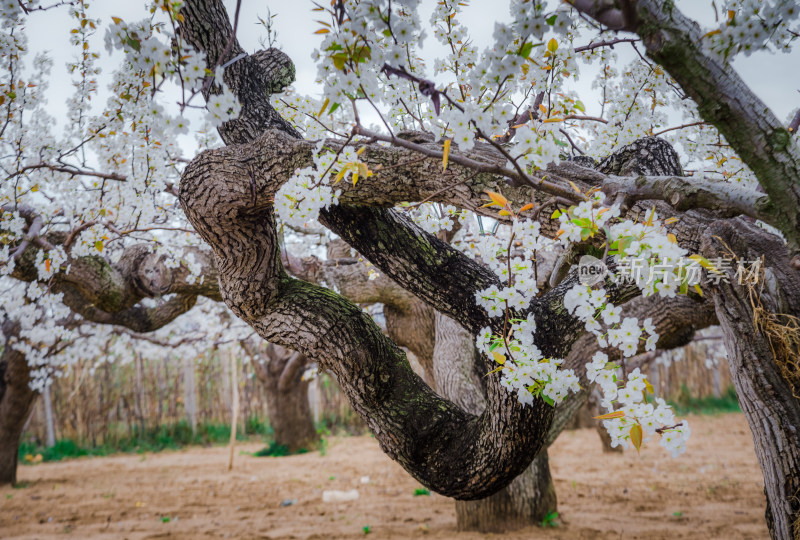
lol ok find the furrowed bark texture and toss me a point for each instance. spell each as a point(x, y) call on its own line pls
point(455, 453)
point(531, 495)
point(762, 336)
point(110, 293)
point(723, 98)
point(228, 195)
point(16, 403)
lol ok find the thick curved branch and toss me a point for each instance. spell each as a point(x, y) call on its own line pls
point(111, 293)
point(404, 175)
point(723, 99)
point(228, 194)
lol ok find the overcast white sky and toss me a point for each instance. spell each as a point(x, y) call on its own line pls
point(774, 77)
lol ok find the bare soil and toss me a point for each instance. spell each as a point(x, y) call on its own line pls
point(715, 490)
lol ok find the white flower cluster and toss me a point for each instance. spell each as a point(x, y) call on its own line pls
point(584, 220)
point(524, 370)
point(634, 410)
point(590, 305)
point(224, 106)
point(648, 255)
point(752, 25)
point(299, 200)
point(517, 271)
point(151, 52)
point(434, 217)
point(9, 11)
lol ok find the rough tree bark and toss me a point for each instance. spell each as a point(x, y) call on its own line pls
point(280, 371)
point(16, 403)
point(762, 335)
point(530, 496)
point(767, 147)
point(228, 195)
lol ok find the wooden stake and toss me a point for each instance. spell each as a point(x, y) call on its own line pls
point(234, 406)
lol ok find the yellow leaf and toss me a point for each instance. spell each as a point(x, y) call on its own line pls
point(355, 178)
point(360, 150)
point(497, 199)
point(649, 221)
point(559, 233)
point(705, 263)
point(340, 175)
point(611, 415)
point(552, 45)
point(322, 31)
point(603, 211)
point(698, 289)
point(670, 221)
point(636, 436)
point(527, 207)
point(553, 120)
point(543, 109)
point(116, 20)
point(445, 154)
point(99, 245)
point(324, 106)
point(500, 358)
point(504, 213)
point(672, 239)
point(648, 386)
point(578, 191)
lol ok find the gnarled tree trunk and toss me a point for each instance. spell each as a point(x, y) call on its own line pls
point(530, 496)
point(762, 334)
point(287, 398)
point(16, 403)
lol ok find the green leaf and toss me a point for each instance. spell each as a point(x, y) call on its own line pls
point(579, 106)
point(551, 20)
point(338, 60)
point(134, 44)
point(556, 214)
point(333, 108)
point(525, 51)
point(99, 245)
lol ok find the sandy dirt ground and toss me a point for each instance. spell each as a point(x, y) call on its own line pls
point(713, 491)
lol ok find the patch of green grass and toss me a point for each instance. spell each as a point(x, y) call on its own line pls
point(685, 403)
point(421, 491)
point(551, 519)
point(172, 436)
point(277, 450)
